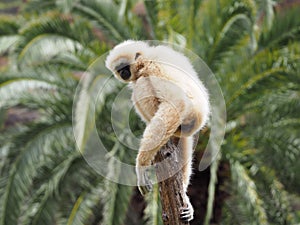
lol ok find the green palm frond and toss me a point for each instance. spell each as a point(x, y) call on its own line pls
point(82, 211)
point(8, 43)
point(59, 77)
point(11, 91)
point(171, 15)
point(105, 17)
point(75, 206)
point(275, 129)
point(266, 10)
point(275, 197)
point(216, 17)
point(8, 25)
point(116, 196)
point(285, 146)
point(247, 90)
point(55, 39)
point(116, 203)
point(287, 103)
point(234, 29)
point(8, 34)
point(152, 212)
point(49, 48)
point(247, 191)
point(38, 145)
point(39, 5)
point(266, 71)
point(52, 23)
point(84, 111)
point(285, 29)
point(49, 188)
point(57, 25)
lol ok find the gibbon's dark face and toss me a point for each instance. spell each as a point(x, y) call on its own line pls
point(124, 71)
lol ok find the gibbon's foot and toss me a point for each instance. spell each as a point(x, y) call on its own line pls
point(143, 181)
point(187, 213)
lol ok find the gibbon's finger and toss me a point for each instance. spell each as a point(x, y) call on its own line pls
point(186, 214)
point(145, 189)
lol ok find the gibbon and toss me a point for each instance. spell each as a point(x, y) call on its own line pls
point(168, 96)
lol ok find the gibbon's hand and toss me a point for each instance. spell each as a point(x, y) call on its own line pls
point(143, 181)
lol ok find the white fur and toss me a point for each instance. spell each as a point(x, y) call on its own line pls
point(177, 68)
point(167, 95)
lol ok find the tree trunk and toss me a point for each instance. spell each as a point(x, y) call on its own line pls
point(171, 189)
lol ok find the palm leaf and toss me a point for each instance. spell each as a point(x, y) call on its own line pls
point(266, 10)
point(222, 17)
point(13, 90)
point(85, 101)
point(61, 27)
point(286, 147)
point(8, 43)
point(39, 5)
point(59, 77)
point(8, 25)
point(285, 29)
point(86, 202)
point(36, 211)
point(105, 16)
point(45, 49)
point(82, 203)
point(247, 191)
point(234, 29)
point(267, 70)
point(280, 73)
point(33, 155)
point(275, 197)
point(116, 196)
point(152, 212)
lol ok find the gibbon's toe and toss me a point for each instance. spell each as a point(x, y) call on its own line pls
point(186, 214)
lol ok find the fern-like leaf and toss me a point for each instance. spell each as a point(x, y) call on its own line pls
point(153, 212)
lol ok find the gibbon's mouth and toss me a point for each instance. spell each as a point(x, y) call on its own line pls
point(124, 70)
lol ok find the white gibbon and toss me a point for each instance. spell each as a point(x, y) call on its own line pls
point(168, 96)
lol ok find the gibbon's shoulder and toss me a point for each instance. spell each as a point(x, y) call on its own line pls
point(168, 55)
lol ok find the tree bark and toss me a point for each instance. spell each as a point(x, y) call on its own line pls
point(171, 189)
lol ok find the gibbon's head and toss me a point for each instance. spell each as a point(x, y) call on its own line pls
point(121, 58)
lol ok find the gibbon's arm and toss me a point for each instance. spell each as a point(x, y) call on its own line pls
point(159, 130)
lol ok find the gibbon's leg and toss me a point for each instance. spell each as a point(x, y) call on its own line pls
point(187, 213)
point(187, 148)
point(159, 130)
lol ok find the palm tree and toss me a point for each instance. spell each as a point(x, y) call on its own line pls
point(254, 55)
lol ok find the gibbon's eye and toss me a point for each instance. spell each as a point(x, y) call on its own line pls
point(124, 71)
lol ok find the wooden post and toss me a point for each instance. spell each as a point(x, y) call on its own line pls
point(171, 189)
